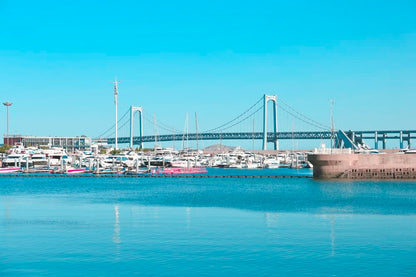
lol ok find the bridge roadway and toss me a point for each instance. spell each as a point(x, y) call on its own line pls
point(382, 136)
point(226, 136)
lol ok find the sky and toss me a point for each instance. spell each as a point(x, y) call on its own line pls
point(213, 58)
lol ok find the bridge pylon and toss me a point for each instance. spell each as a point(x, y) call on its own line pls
point(268, 98)
point(132, 110)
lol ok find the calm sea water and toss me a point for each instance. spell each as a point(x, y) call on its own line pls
point(207, 227)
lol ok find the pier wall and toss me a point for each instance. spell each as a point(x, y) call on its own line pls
point(364, 166)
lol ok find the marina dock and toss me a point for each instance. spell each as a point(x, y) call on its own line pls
point(156, 176)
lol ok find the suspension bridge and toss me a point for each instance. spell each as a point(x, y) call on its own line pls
point(258, 111)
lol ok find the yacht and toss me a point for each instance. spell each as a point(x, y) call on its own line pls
point(57, 156)
point(118, 161)
point(39, 160)
point(271, 162)
point(17, 160)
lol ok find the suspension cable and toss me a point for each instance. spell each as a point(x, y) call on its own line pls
point(319, 126)
point(250, 115)
point(312, 122)
point(229, 122)
point(118, 121)
point(161, 125)
point(118, 129)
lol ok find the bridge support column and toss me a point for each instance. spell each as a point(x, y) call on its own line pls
point(375, 140)
point(384, 141)
point(401, 139)
point(132, 110)
point(268, 98)
point(408, 140)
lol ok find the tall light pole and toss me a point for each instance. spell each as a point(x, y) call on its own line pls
point(116, 102)
point(7, 104)
point(331, 103)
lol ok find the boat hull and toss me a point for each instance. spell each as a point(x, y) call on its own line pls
point(179, 171)
point(9, 170)
point(76, 171)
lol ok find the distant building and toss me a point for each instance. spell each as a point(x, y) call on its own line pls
point(68, 143)
point(101, 142)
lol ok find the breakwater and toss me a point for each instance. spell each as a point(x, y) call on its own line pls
point(363, 165)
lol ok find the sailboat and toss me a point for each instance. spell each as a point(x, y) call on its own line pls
point(181, 169)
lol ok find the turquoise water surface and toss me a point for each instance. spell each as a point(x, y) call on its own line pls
point(206, 227)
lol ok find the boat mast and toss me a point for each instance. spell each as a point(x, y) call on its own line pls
point(187, 130)
point(253, 132)
point(331, 102)
point(174, 138)
point(185, 134)
point(196, 127)
point(155, 129)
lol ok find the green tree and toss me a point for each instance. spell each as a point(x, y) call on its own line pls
point(115, 152)
point(4, 148)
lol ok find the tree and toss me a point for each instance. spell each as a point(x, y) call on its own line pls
point(115, 152)
point(4, 148)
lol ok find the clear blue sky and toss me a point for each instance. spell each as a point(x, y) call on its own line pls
point(216, 58)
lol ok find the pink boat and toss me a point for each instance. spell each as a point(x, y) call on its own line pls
point(180, 170)
point(9, 170)
point(75, 170)
point(68, 171)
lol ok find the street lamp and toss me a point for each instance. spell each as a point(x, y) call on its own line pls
point(7, 104)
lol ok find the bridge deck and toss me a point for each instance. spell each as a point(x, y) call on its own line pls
point(271, 136)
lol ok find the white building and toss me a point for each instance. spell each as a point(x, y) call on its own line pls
point(68, 143)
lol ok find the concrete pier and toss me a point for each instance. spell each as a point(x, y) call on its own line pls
point(364, 166)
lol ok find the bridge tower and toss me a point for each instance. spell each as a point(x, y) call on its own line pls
point(132, 110)
point(268, 98)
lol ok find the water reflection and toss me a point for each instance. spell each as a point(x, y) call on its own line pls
point(217, 241)
point(188, 217)
point(7, 210)
point(271, 220)
point(332, 235)
point(116, 233)
point(331, 218)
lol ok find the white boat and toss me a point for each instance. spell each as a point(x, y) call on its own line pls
point(17, 160)
point(17, 149)
point(252, 162)
point(271, 162)
point(185, 162)
point(181, 163)
point(410, 151)
point(118, 161)
point(236, 165)
point(39, 160)
point(252, 165)
point(69, 170)
point(57, 157)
